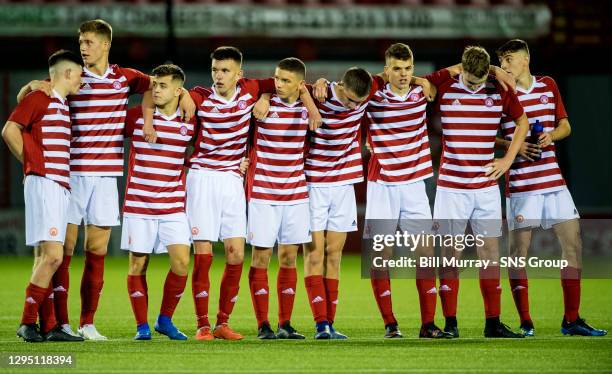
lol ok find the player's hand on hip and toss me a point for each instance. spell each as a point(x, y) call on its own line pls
point(320, 89)
point(529, 151)
point(545, 140)
point(315, 121)
point(497, 168)
point(262, 107)
point(244, 165)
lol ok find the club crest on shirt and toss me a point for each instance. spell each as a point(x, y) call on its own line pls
point(304, 115)
point(116, 85)
point(415, 97)
point(242, 104)
point(489, 102)
point(183, 130)
point(544, 99)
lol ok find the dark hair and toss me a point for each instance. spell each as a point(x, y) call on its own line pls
point(358, 81)
point(512, 46)
point(399, 51)
point(227, 53)
point(97, 26)
point(294, 65)
point(170, 69)
point(476, 61)
point(64, 55)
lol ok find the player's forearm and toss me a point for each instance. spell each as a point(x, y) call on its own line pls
point(520, 133)
point(148, 108)
point(454, 70)
point(562, 131)
point(24, 91)
point(11, 134)
point(501, 143)
point(308, 101)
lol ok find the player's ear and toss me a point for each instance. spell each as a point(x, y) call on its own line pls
point(240, 73)
point(386, 70)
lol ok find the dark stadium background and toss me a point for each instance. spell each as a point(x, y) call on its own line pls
point(568, 40)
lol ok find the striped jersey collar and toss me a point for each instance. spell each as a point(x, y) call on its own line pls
point(167, 118)
point(59, 97)
point(103, 76)
point(528, 90)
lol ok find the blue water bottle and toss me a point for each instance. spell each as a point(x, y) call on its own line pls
point(536, 131)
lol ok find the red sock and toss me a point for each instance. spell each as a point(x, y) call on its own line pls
point(570, 281)
point(139, 296)
point(426, 287)
point(91, 286)
point(286, 284)
point(230, 284)
point(260, 294)
point(173, 290)
point(520, 292)
point(449, 289)
point(490, 290)
point(34, 298)
point(61, 283)
point(47, 312)
point(331, 293)
point(316, 297)
point(381, 287)
point(200, 286)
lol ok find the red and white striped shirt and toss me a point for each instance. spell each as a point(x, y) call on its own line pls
point(276, 176)
point(98, 113)
point(224, 125)
point(46, 136)
point(470, 120)
point(542, 101)
point(156, 174)
point(397, 133)
point(334, 152)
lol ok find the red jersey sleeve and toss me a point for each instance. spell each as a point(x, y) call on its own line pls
point(511, 106)
point(139, 82)
point(31, 109)
point(257, 87)
point(438, 77)
point(377, 83)
point(197, 95)
point(133, 114)
point(560, 111)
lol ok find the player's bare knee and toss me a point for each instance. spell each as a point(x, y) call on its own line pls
point(287, 260)
point(52, 260)
point(261, 258)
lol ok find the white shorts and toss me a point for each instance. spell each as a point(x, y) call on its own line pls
point(154, 235)
point(94, 200)
point(543, 210)
point(285, 224)
point(453, 209)
point(216, 205)
point(333, 208)
point(46, 210)
point(388, 206)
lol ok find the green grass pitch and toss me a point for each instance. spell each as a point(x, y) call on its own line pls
point(358, 317)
